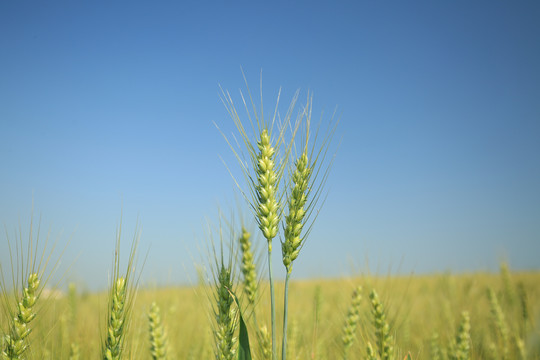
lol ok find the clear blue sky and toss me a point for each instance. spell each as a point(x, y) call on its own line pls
point(109, 106)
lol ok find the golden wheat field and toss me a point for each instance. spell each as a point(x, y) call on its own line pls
point(423, 313)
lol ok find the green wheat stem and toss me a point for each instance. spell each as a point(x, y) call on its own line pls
point(285, 315)
point(272, 304)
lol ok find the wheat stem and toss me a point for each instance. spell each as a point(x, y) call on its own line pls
point(285, 315)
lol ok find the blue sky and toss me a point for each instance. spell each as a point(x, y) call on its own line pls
point(108, 108)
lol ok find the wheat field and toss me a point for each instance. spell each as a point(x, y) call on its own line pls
point(423, 313)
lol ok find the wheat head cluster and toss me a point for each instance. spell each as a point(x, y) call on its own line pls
point(238, 310)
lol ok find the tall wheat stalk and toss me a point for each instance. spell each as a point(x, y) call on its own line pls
point(268, 158)
point(263, 172)
point(306, 182)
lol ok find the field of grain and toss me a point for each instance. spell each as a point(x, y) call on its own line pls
point(423, 312)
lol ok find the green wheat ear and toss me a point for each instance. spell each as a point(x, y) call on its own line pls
point(15, 342)
point(501, 326)
point(382, 329)
point(463, 339)
point(225, 316)
point(247, 267)
point(294, 221)
point(29, 264)
point(121, 297)
point(307, 180)
point(158, 336)
point(351, 322)
point(117, 321)
point(268, 208)
point(265, 343)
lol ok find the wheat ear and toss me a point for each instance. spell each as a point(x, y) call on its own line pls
point(500, 325)
point(264, 175)
point(158, 336)
point(15, 343)
point(463, 339)
point(247, 267)
point(265, 343)
point(351, 321)
point(382, 329)
point(225, 316)
point(121, 297)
